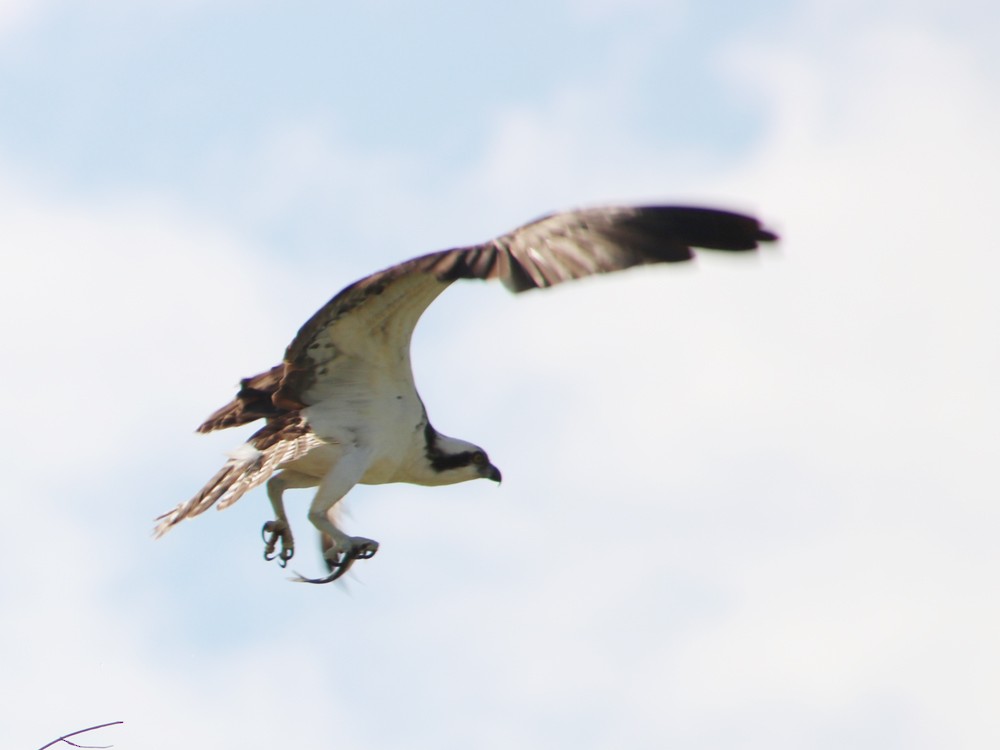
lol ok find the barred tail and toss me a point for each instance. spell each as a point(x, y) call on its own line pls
point(247, 468)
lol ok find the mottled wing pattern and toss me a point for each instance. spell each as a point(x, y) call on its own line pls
point(556, 248)
point(283, 438)
point(366, 328)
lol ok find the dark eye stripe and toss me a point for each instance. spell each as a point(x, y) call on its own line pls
point(444, 461)
point(441, 461)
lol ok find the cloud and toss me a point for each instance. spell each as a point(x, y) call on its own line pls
point(110, 295)
point(772, 528)
point(809, 436)
point(108, 355)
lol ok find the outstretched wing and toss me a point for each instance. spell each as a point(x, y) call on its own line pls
point(360, 339)
point(570, 245)
point(374, 318)
point(376, 315)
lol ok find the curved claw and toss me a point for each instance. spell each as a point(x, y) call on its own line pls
point(271, 533)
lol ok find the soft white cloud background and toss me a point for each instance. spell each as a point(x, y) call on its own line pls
point(774, 526)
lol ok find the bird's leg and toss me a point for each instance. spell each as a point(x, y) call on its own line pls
point(341, 550)
point(279, 529)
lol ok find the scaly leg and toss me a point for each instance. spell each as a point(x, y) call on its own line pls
point(279, 529)
point(344, 549)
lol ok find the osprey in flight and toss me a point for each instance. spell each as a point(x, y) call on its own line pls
point(342, 407)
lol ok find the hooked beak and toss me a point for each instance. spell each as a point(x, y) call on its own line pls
point(492, 473)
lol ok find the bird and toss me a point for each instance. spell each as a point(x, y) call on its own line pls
point(342, 407)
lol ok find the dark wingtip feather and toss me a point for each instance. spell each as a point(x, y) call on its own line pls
point(707, 228)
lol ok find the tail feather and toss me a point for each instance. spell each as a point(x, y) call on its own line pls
point(247, 468)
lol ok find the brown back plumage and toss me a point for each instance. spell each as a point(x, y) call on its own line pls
point(252, 402)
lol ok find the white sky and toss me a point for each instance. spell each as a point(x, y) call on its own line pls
point(745, 505)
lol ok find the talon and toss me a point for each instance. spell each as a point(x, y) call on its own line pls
point(271, 533)
point(361, 548)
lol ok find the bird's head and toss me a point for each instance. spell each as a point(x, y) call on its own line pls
point(452, 460)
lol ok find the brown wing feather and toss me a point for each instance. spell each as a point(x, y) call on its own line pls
point(550, 250)
point(571, 245)
point(283, 438)
point(553, 249)
point(252, 402)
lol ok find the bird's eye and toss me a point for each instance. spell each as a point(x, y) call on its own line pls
point(478, 458)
